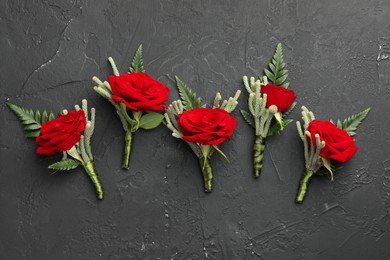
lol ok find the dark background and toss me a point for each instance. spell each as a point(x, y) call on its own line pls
point(338, 65)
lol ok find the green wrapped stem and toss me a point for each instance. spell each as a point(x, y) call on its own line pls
point(90, 169)
point(207, 173)
point(304, 186)
point(258, 150)
point(127, 152)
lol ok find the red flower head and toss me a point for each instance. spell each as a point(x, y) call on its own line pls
point(206, 126)
point(339, 145)
point(278, 96)
point(138, 91)
point(62, 133)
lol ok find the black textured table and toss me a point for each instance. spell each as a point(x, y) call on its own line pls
point(337, 54)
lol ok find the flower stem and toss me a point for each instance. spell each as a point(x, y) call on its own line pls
point(207, 173)
point(303, 186)
point(90, 169)
point(258, 150)
point(127, 152)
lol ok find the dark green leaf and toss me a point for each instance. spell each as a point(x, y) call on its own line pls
point(129, 120)
point(339, 124)
point(290, 109)
point(51, 116)
point(33, 133)
point(32, 127)
point(351, 123)
point(150, 120)
point(67, 164)
point(275, 128)
point(37, 116)
point(138, 64)
point(220, 152)
point(44, 117)
point(32, 121)
point(277, 74)
point(189, 99)
point(248, 118)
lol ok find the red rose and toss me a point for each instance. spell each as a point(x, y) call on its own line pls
point(206, 125)
point(339, 145)
point(62, 133)
point(138, 91)
point(278, 96)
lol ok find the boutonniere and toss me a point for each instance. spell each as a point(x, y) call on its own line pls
point(135, 96)
point(269, 103)
point(325, 141)
point(202, 128)
point(70, 134)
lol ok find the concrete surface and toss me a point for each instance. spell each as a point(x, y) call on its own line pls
point(338, 55)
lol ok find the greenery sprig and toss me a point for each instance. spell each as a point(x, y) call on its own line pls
point(131, 120)
point(266, 121)
point(79, 154)
point(31, 120)
point(188, 101)
point(313, 160)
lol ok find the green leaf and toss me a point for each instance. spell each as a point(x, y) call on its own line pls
point(286, 113)
point(276, 73)
point(351, 123)
point(33, 133)
point(220, 152)
point(124, 113)
point(138, 64)
point(31, 121)
point(189, 99)
point(45, 117)
point(67, 164)
point(248, 117)
point(51, 116)
point(339, 124)
point(276, 128)
point(150, 120)
point(328, 166)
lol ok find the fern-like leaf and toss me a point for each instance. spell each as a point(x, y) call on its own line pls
point(31, 120)
point(248, 118)
point(351, 123)
point(67, 164)
point(138, 64)
point(189, 99)
point(277, 73)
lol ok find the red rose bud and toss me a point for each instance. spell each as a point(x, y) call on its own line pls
point(138, 91)
point(278, 96)
point(206, 126)
point(62, 133)
point(339, 145)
